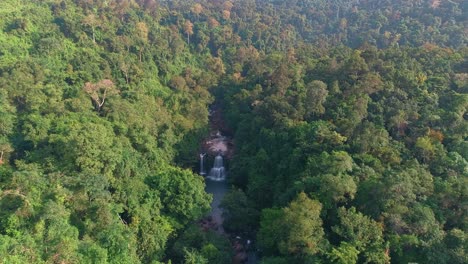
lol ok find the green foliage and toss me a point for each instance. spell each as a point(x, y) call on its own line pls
point(362, 109)
point(363, 237)
point(193, 257)
point(304, 230)
point(344, 254)
point(85, 186)
point(371, 128)
point(239, 216)
point(271, 230)
point(293, 231)
point(275, 260)
point(181, 192)
point(208, 245)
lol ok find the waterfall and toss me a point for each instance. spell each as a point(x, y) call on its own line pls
point(202, 169)
point(217, 173)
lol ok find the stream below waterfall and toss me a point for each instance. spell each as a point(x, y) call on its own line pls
point(218, 189)
point(221, 147)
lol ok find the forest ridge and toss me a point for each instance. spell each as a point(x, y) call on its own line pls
point(348, 117)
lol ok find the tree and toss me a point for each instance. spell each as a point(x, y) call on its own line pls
point(193, 257)
point(335, 189)
point(305, 235)
point(7, 115)
point(100, 91)
point(238, 214)
point(197, 9)
point(344, 254)
point(316, 95)
point(60, 238)
point(363, 236)
point(142, 31)
point(271, 231)
point(226, 14)
point(93, 22)
point(5, 148)
point(188, 29)
point(407, 185)
point(425, 148)
point(181, 192)
point(207, 243)
point(293, 231)
point(455, 243)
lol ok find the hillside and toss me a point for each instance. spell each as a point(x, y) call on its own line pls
point(348, 122)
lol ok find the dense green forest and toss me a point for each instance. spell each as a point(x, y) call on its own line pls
point(349, 120)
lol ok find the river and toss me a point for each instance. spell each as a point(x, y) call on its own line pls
point(220, 147)
point(218, 189)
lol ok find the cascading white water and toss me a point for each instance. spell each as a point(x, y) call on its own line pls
point(217, 173)
point(202, 169)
